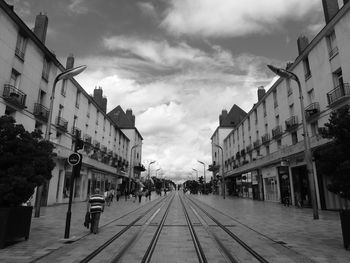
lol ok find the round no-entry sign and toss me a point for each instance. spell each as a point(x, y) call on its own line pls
point(74, 159)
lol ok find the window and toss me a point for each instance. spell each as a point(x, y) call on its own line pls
point(289, 87)
point(75, 120)
point(20, 47)
point(97, 116)
point(257, 135)
point(279, 144)
point(275, 102)
point(277, 118)
point(88, 109)
point(338, 78)
point(311, 96)
point(291, 110)
point(15, 78)
point(314, 128)
point(294, 138)
point(249, 123)
point(104, 124)
point(64, 88)
point(264, 108)
point(60, 111)
point(46, 70)
point(307, 68)
point(77, 99)
point(332, 45)
point(266, 128)
point(267, 149)
point(256, 116)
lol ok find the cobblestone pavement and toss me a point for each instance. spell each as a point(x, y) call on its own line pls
point(320, 240)
point(47, 231)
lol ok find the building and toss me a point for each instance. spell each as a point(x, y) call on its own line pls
point(126, 122)
point(227, 122)
point(27, 73)
point(264, 153)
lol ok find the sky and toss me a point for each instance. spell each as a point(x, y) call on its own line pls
point(176, 63)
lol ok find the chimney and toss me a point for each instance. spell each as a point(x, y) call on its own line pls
point(261, 92)
point(222, 117)
point(98, 96)
point(330, 8)
point(130, 116)
point(104, 104)
point(40, 28)
point(302, 42)
point(70, 61)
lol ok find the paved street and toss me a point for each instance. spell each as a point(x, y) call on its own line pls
point(319, 240)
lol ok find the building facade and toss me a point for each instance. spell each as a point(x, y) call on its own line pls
point(27, 73)
point(264, 153)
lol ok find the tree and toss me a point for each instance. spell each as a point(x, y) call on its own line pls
point(25, 162)
point(334, 160)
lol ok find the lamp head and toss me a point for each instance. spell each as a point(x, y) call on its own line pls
point(282, 72)
point(71, 72)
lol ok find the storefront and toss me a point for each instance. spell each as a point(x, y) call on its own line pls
point(257, 185)
point(284, 183)
point(271, 184)
point(301, 186)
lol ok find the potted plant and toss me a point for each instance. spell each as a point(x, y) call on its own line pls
point(25, 163)
point(334, 161)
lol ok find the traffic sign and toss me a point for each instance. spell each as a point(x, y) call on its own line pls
point(74, 159)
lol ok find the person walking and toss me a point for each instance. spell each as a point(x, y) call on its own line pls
point(140, 195)
point(95, 207)
point(118, 194)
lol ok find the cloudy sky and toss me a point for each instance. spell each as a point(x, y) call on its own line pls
point(176, 63)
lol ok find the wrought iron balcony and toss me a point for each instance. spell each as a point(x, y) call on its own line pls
point(265, 138)
point(87, 138)
point(242, 152)
point(96, 144)
point(61, 124)
point(110, 152)
point(238, 155)
point(76, 132)
point(277, 132)
point(41, 112)
point(249, 148)
point(14, 96)
point(338, 94)
point(256, 144)
point(312, 110)
point(103, 149)
point(292, 123)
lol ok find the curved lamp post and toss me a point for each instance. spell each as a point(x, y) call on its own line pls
point(157, 171)
point(196, 172)
point(131, 164)
point(62, 76)
point(307, 147)
point(222, 170)
point(205, 192)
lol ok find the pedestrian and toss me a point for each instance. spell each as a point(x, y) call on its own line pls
point(140, 195)
point(95, 207)
point(118, 195)
point(149, 194)
point(126, 194)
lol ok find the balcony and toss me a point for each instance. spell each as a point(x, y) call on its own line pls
point(242, 152)
point(292, 123)
point(96, 144)
point(265, 138)
point(87, 138)
point(256, 144)
point(61, 124)
point(103, 149)
point(41, 112)
point(213, 167)
point(249, 148)
point(338, 94)
point(110, 153)
point(312, 110)
point(14, 96)
point(76, 132)
point(238, 155)
point(277, 132)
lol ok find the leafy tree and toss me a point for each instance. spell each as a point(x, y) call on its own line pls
point(334, 160)
point(25, 162)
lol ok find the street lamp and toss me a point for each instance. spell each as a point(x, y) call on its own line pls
point(196, 172)
point(62, 76)
point(157, 172)
point(222, 170)
point(307, 148)
point(131, 165)
point(204, 176)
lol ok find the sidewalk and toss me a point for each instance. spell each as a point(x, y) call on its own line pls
point(47, 231)
point(320, 240)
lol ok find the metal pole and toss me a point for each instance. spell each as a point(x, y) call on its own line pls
point(222, 171)
point(308, 155)
point(131, 165)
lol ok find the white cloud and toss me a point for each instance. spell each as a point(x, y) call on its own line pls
point(232, 18)
point(147, 9)
point(78, 7)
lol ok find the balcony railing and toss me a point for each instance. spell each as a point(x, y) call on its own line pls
point(249, 148)
point(338, 94)
point(265, 138)
point(242, 152)
point(277, 132)
point(76, 132)
point(110, 152)
point(96, 144)
point(312, 110)
point(14, 96)
point(256, 144)
point(238, 155)
point(292, 123)
point(103, 149)
point(87, 138)
point(61, 124)
point(41, 112)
